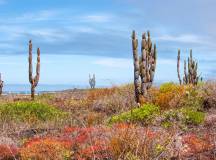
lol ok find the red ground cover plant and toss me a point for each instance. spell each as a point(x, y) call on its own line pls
point(74, 142)
point(49, 148)
point(88, 142)
point(8, 152)
point(116, 142)
point(194, 144)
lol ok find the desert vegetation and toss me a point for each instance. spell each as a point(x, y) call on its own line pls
point(174, 121)
point(136, 121)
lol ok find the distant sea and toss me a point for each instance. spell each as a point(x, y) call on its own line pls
point(25, 88)
point(43, 88)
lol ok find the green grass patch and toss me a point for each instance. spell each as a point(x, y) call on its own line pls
point(29, 112)
point(143, 114)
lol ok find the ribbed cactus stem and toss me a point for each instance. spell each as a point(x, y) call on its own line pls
point(33, 80)
point(178, 66)
point(136, 66)
point(1, 85)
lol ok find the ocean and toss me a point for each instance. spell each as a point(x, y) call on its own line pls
point(25, 88)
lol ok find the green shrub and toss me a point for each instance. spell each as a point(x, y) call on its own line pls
point(169, 117)
point(29, 111)
point(192, 116)
point(167, 87)
point(143, 114)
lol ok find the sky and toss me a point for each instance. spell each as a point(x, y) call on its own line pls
point(82, 37)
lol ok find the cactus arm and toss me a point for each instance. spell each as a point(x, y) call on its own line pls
point(178, 66)
point(37, 77)
point(30, 62)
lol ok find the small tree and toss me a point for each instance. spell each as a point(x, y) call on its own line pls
point(33, 80)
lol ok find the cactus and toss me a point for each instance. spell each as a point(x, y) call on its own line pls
point(144, 67)
point(178, 67)
point(147, 63)
point(136, 66)
point(92, 81)
point(190, 70)
point(33, 80)
point(1, 85)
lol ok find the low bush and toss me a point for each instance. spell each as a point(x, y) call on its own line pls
point(192, 116)
point(169, 95)
point(121, 100)
point(143, 114)
point(131, 142)
point(29, 112)
point(208, 93)
point(192, 99)
point(45, 148)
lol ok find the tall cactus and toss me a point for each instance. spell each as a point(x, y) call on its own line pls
point(144, 67)
point(190, 70)
point(1, 85)
point(147, 63)
point(136, 66)
point(92, 81)
point(33, 80)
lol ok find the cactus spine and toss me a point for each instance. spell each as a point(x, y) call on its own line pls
point(33, 80)
point(92, 81)
point(1, 85)
point(190, 70)
point(144, 67)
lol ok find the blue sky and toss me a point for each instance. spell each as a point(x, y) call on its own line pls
point(78, 37)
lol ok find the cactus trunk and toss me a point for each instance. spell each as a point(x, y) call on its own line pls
point(136, 66)
point(32, 92)
point(1, 85)
point(33, 81)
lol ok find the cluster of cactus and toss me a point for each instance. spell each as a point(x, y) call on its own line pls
point(33, 80)
point(190, 70)
point(92, 81)
point(145, 65)
point(1, 85)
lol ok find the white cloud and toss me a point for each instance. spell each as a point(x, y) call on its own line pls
point(38, 16)
point(96, 18)
point(184, 38)
point(114, 62)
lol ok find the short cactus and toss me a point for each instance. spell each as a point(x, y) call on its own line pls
point(92, 81)
point(190, 70)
